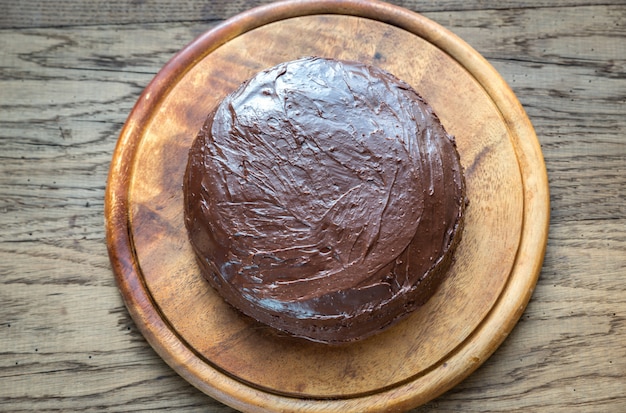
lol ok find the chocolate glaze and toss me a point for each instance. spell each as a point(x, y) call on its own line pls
point(324, 198)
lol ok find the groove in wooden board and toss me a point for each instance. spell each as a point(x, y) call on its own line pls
point(192, 308)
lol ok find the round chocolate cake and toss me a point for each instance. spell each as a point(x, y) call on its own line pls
point(325, 199)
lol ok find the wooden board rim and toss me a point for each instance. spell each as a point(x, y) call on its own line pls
point(483, 341)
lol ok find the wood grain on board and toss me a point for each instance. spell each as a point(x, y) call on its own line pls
point(68, 80)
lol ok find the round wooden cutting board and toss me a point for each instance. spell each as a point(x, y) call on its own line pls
point(249, 366)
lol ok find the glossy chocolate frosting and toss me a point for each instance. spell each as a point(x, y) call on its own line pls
point(324, 198)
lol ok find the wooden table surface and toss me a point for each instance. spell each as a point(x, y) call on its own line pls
point(70, 72)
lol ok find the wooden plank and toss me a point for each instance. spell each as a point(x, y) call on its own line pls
point(85, 365)
point(33, 13)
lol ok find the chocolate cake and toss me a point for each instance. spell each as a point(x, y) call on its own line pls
point(325, 199)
